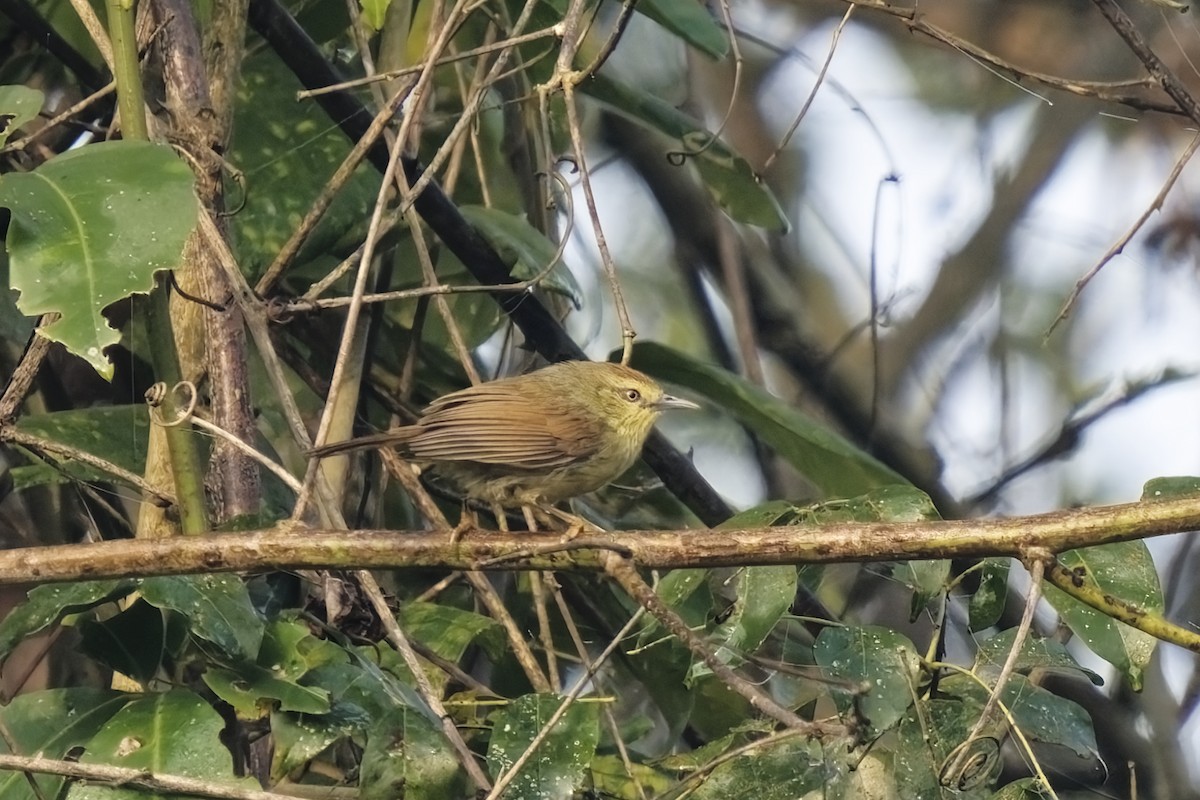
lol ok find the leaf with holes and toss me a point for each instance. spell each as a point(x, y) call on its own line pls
point(18, 105)
point(91, 227)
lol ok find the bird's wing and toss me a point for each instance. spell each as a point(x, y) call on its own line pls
point(496, 425)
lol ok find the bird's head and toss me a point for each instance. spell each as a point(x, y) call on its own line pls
point(629, 400)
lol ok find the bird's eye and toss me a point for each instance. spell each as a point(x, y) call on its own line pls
point(633, 395)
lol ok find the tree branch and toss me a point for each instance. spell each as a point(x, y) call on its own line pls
point(289, 548)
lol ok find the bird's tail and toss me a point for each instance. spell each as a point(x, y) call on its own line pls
point(389, 438)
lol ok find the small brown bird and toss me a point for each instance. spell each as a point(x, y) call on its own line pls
point(539, 438)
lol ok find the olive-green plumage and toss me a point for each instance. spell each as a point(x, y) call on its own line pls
point(547, 436)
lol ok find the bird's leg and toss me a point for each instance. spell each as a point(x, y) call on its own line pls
point(575, 524)
point(467, 520)
point(537, 585)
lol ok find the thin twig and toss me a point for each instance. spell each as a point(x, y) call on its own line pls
point(622, 571)
point(511, 41)
point(136, 779)
point(396, 636)
point(58, 119)
point(1176, 89)
point(39, 444)
point(1119, 245)
point(19, 383)
point(1037, 569)
point(812, 95)
point(330, 191)
point(584, 681)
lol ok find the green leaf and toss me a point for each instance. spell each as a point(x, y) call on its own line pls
point(525, 249)
point(374, 12)
point(91, 227)
point(728, 176)
point(301, 737)
point(784, 770)
point(174, 733)
point(928, 736)
point(557, 767)
point(879, 661)
point(1048, 655)
point(1046, 717)
point(253, 690)
point(763, 595)
point(833, 464)
point(927, 579)
point(1123, 570)
point(216, 607)
point(1171, 488)
point(448, 631)
point(290, 649)
point(51, 723)
point(46, 605)
point(287, 150)
point(691, 22)
point(407, 756)
point(18, 105)
point(1041, 715)
point(987, 603)
point(117, 434)
point(1023, 789)
point(133, 642)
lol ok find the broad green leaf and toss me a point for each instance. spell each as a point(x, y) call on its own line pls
point(52, 723)
point(931, 731)
point(406, 755)
point(1123, 570)
point(691, 22)
point(557, 767)
point(927, 579)
point(611, 779)
point(680, 584)
point(300, 737)
point(91, 227)
point(833, 464)
point(174, 733)
point(253, 691)
point(374, 12)
point(772, 512)
point(526, 249)
point(880, 661)
point(217, 609)
point(448, 631)
point(762, 596)
point(1171, 488)
point(987, 603)
point(784, 770)
point(1046, 717)
point(132, 642)
point(1023, 789)
point(117, 434)
point(288, 653)
point(290, 649)
point(287, 151)
point(1036, 654)
point(1041, 715)
point(46, 605)
point(18, 105)
point(727, 176)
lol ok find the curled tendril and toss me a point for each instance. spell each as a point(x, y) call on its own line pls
point(696, 143)
point(157, 393)
point(283, 311)
point(965, 771)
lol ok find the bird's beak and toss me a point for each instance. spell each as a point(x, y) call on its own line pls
point(670, 401)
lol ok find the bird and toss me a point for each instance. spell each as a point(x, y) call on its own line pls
point(535, 439)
